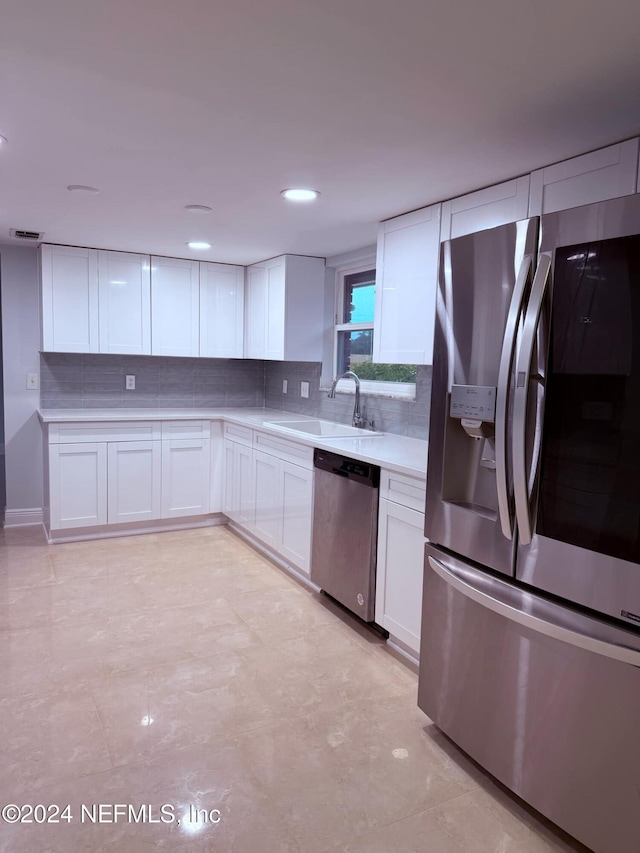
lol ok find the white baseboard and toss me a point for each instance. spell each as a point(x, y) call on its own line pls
point(110, 531)
point(23, 517)
point(275, 558)
point(409, 655)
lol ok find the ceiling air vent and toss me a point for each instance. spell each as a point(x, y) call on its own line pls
point(22, 234)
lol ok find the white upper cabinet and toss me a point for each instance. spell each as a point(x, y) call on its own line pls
point(124, 303)
point(284, 307)
point(255, 311)
point(600, 175)
point(486, 208)
point(175, 307)
point(221, 311)
point(406, 284)
point(69, 278)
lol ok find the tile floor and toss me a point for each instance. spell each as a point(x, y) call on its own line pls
point(184, 670)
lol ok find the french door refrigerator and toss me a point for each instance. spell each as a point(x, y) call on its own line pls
point(530, 649)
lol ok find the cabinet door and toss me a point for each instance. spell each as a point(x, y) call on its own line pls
point(406, 285)
point(255, 311)
point(216, 469)
point(245, 486)
point(221, 311)
point(230, 493)
point(600, 175)
point(69, 278)
point(78, 485)
point(185, 477)
point(487, 208)
point(174, 307)
point(266, 474)
point(399, 572)
point(275, 308)
point(125, 302)
point(133, 481)
point(296, 501)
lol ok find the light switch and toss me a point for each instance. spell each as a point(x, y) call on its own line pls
point(130, 382)
point(304, 389)
point(285, 385)
point(32, 382)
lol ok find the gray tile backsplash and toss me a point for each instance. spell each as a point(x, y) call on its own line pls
point(70, 381)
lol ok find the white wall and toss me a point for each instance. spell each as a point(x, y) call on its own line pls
point(20, 354)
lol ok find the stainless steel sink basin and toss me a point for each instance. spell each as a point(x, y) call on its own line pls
point(324, 429)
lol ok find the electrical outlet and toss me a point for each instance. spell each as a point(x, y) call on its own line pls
point(130, 382)
point(285, 385)
point(304, 389)
point(32, 382)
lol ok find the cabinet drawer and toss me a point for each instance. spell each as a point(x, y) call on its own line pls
point(402, 489)
point(186, 429)
point(74, 433)
point(239, 434)
point(290, 451)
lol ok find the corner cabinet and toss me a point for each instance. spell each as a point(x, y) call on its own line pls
point(406, 286)
point(400, 558)
point(175, 307)
point(284, 309)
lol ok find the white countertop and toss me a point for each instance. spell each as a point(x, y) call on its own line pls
point(394, 452)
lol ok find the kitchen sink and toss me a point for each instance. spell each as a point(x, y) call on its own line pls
point(324, 429)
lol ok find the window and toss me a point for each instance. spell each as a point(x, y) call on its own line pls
point(353, 348)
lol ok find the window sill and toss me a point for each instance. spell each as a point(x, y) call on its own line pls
point(399, 391)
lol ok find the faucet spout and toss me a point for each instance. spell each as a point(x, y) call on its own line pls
point(357, 419)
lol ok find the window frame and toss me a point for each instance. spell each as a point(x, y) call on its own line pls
point(378, 388)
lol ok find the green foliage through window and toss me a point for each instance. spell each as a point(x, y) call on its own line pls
point(386, 372)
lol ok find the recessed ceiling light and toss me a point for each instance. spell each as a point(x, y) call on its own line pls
point(3, 140)
point(197, 208)
point(198, 244)
point(80, 188)
point(299, 194)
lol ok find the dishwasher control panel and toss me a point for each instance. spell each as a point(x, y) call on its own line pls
point(342, 466)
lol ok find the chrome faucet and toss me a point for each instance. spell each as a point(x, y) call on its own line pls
point(357, 420)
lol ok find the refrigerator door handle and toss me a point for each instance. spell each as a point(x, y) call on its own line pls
point(523, 377)
point(546, 626)
point(505, 501)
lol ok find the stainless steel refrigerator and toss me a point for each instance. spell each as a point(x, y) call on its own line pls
point(530, 649)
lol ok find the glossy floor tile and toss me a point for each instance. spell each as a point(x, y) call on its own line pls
point(178, 691)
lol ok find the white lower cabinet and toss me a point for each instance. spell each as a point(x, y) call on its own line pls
point(400, 559)
point(185, 476)
point(133, 481)
point(78, 485)
point(239, 497)
point(296, 491)
point(117, 473)
point(268, 490)
point(266, 470)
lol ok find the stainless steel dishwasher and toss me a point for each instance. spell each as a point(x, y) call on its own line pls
point(345, 528)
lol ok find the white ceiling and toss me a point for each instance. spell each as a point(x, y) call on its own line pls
point(382, 106)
